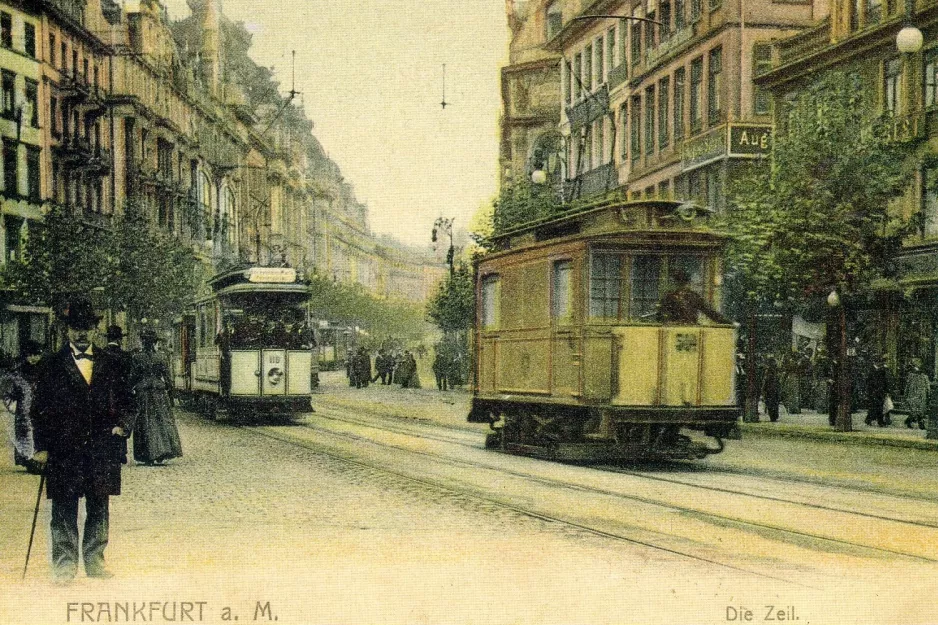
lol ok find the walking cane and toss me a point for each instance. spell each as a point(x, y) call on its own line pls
point(32, 532)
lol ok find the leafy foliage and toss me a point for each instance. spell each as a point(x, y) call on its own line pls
point(144, 273)
point(351, 304)
point(518, 204)
point(452, 308)
point(817, 214)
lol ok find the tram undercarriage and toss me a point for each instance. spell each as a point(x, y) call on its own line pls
point(576, 434)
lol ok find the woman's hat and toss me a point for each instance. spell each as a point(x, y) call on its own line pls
point(79, 314)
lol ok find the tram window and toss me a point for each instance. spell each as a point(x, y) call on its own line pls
point(490, 303)
point(605, 285)
point(560, 305)
point(693, 266)
point(646, 281)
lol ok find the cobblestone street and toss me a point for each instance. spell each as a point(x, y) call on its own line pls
point(242, 519)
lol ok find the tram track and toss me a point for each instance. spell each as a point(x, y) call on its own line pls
point(682, 482)
point(787, 535)
point(524, 512)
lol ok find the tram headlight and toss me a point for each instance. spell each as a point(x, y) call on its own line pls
point(274, 376)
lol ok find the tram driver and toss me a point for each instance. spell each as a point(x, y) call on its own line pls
point(682, 305)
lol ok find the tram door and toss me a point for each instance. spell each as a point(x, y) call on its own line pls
point(185, 356)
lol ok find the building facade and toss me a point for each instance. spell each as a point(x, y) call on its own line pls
point(859, 37)
point(658, 97)
point(108, 107)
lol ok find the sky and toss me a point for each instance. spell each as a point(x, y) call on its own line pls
point(371, 77)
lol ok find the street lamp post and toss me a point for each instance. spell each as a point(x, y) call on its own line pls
point(444, 225)
point(842, 420)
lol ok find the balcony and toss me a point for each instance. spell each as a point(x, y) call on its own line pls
point(590, 109)
point(594, 182)
point(804, 44)
point(75, 150)
point(69, 10)
point(74, 88)
point(100, 163)
point(669, 46)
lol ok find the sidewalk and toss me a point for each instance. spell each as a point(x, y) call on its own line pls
point(450, 408)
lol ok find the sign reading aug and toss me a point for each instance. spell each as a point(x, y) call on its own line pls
point(750, 140)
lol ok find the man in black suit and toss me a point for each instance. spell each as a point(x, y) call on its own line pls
point(82, 418)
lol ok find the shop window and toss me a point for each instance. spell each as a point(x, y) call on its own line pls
point(13, 240)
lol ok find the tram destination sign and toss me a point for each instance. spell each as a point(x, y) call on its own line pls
point(271, 274)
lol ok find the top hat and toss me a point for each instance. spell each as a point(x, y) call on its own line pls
point(149, 335)
point(79, 314)
point(114, 333)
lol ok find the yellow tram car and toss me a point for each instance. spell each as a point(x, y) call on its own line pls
point(572, 360)
point(246, 351)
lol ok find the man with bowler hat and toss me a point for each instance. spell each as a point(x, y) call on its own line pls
point(82, 418)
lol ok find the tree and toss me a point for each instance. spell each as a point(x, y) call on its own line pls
point(816, 217)
point(452, 308)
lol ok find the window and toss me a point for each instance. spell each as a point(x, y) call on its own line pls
point(623, 37)
point(14, 236)
point(598, 49)
point(696, 95)
point(646, 285)
point(587, 155)
point(694, 10)
point(623, 131)
point(561, 295)
point(715, 4)
point(665, 19)
point(605, 285)
point(33, 154)
point(10, 168)
point(29, 39)
point(664, 95)
point(490, 302)
point(649, 27)
point(650, 120)
point(554, 22)
point(691, 265)
point(715, 87)
point(636, 35)
point(679, 18)
point(610, 49)
point(635, 131)
point(679, 84)
point(7, 93)
point(31, 94)
point(6, 30)
point(931, 77)
point(588, 70)
point(600, 136)
point(761, 63)
point(664, 190)
point(891, 75)
point(52, 49)
point(568, 84)
point(64, 57)
point(577, 82)
point(54, 116)
point(874, 11)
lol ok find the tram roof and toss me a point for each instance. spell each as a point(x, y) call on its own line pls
point(257, 280)
point(640, 217)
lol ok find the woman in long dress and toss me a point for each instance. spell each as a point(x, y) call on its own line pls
point(156, 438)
